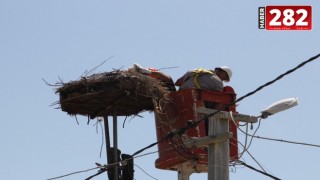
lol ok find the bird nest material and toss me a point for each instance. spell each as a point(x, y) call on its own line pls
point(121, 93)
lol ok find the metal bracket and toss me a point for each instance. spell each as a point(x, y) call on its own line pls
point(226, 115)
point(205, 141)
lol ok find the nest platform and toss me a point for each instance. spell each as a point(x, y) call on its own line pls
point(121, 93)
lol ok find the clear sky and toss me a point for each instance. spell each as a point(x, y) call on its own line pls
point(48, 39)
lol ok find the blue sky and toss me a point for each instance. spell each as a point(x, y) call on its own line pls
point(46, 39)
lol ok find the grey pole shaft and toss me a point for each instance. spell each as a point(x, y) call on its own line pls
point(115, 145)
point(184, 171)
point(218, 153)
point(107, 137)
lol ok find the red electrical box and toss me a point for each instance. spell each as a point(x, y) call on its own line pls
point(180, 112)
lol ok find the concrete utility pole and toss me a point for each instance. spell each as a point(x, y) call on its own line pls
point(184, 171)
point(218, 152)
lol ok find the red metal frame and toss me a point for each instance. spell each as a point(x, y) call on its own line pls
point(181, 111)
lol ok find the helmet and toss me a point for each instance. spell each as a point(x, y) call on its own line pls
point(227, 70)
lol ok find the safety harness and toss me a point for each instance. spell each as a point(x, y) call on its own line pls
point(198, 72)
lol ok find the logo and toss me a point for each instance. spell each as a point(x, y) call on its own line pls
point(285, 17)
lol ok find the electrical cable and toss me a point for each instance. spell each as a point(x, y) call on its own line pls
point(184, 148)
point(142, 155)
point(146, 172)
point(246, 133)
point(105, 166)
point(150, 146)
point(285, 141)
point(177, 151)
point(257, 170)
point(103, 169)
point(246, 140)
point(77, 172)
point(194, 124)
point(259, 164)
point(97, 174)
point(245, 147)
point(254, 133)
point(270, 139)
point(279, 77)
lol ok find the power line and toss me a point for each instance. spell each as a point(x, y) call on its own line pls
point(146, 172)
point(189, 126)
point(270, 139)
point(103, 167)
point(279, 77)
point(258, 163)
point(148, 154)
point(77, 172)
point(98, 173)
point(245, 147)
point(257, 170)
point(285, 141)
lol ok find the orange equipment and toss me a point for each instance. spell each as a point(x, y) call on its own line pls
point(181, 111)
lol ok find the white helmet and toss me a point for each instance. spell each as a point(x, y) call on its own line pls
point(227, 70)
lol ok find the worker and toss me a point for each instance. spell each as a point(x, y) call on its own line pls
point(165, 79)
point(205, 79)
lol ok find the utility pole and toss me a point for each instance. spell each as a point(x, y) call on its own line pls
point(218, 152)
point(184, 171)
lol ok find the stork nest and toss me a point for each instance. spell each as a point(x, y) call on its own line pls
point(121, 93)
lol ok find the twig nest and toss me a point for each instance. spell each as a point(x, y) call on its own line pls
point(121, 93)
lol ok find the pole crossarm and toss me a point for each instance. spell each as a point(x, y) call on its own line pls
point(205, 141)
point(226, 115)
